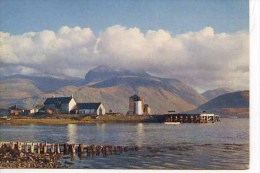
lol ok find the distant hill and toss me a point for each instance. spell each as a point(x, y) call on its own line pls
point(211, 94)
point(16, 88)
point(230, 104)
point(44, 83)
point(114, 87)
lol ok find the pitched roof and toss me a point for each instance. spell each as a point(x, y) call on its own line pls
point(88, 105)
point(58, 100)
point(18, 107)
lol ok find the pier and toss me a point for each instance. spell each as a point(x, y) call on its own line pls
point(188, 118)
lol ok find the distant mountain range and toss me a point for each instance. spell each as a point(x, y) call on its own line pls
point(113, 87)
point(42, 83)
point(211, 94)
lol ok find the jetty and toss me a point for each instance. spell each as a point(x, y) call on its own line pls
point(188, 118)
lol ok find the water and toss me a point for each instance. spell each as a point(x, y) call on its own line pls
point(221, 145)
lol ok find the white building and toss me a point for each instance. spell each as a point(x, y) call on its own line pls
point(90, 108)
point(60, 104)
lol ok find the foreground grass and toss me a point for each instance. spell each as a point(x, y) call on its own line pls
point(73, 119)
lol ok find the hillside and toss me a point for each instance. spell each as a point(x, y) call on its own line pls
point(231, 104)
point(12, 90)
point(17, 88)
point(211, 94)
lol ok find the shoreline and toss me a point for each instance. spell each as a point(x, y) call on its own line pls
point(72, 119)
point(75, 119)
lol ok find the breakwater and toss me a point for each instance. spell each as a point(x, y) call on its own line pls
point(43, 148)
point(46, 155)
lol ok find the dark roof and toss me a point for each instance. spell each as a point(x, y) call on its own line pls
point(136, 97)
point(58, 100)
point(46, 108)
point(88, 105)
point(18, 107)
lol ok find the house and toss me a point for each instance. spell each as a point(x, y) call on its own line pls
point(90, 108)
point(19, 110)
point(62, 105)
point(47, 110)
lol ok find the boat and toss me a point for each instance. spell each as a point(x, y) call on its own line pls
point(173, 123)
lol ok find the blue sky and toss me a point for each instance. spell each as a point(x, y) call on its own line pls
point(175, 16)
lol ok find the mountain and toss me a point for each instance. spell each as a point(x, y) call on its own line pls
point(210, 94)
point(102, 72)
point(114, 87)
point(230, 104)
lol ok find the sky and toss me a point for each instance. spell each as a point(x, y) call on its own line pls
point(203, 43)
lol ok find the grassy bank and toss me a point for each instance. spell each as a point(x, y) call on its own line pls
point(72, 119)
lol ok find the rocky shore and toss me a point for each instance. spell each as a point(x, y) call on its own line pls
point(11, 158)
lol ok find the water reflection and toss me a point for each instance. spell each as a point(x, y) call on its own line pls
point(139, 134)
point(101, 131)
point(101, 128)
point(72, 133)
point(221, 145)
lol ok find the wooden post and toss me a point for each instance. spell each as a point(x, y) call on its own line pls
point(93, 149)
point(44, 149)
point(73, 148)
point(16, 145)
point(25, 148)
point(81, 148)
point(32, 148)
point(11, 145)
point(81, 156)
point(52, 148)
point(38, 148)
point(58, 148)
point(19, 146)
point(66, 148)
point(73, 156)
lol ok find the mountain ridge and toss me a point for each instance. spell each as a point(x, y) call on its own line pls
point(115, 86)
point(210, 94)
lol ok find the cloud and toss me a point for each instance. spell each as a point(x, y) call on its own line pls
point(202, 59)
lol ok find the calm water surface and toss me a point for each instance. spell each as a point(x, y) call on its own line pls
point(221, 145)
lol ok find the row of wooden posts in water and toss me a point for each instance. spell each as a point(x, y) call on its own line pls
point(43, 148)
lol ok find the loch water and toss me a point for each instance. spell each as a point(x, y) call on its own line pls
point(220, 145)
